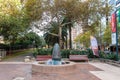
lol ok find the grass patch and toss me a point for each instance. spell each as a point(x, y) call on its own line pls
point(17, 53)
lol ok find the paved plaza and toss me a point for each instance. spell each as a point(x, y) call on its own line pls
point(82, 73)
point(108, 72)
point(85, 71)
point(16, 67)
point(12, 70)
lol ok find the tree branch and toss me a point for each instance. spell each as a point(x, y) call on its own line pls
point(53, 34)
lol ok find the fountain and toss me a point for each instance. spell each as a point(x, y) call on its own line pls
point(56, 56)
point(54, 65)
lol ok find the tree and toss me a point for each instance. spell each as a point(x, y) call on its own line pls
point(84, 12)
point(30, 38)
point(51, 36)
point(84, 38)
point(59, 9)
point(16, 16)
point(12, 19)
point(107, 35)
point(32, 9)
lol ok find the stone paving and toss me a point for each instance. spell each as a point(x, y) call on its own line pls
point(82, 73)
point(85, 71)
point(15, 67)
point(9, 71)
point(109, 72)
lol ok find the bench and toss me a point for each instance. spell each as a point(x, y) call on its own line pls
point(43, 57)
point(78, 58)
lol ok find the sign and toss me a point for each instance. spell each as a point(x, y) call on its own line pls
point(94, 45)
point(113, 36)
point(113, 23)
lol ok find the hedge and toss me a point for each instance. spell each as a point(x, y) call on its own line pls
point(66, 52)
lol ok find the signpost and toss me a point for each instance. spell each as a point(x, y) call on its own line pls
point(114, 36)
point(115, 21)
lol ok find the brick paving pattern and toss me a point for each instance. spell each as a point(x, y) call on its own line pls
point(9, 71)
point(82, 73)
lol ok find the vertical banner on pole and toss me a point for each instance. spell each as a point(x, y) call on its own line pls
point(113, 23)
point(94, 45)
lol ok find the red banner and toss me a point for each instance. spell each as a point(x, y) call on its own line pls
point(113, 23)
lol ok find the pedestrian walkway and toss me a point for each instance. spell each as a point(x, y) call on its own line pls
point(87, 71)
point(16, 67)
point(109, 72)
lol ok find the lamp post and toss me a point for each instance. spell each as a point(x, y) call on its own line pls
point(117, 51)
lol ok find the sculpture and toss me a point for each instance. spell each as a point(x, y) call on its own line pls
point(56, 55)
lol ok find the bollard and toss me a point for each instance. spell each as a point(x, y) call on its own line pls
point(33, 59)
point(27, 59)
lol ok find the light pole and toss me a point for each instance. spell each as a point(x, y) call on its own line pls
point(116, 36)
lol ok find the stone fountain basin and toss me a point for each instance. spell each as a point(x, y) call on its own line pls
point(43, 68)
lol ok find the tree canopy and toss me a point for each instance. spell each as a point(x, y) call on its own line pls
point(17, 15)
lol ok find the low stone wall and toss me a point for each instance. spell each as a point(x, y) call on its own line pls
point(43, 68)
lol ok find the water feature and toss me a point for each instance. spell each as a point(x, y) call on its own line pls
point(56, 56)
point(54, 65)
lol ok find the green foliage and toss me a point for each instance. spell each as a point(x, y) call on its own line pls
point(33, 9)
point(111, 56)
point(51, 36)
point(84, 38)
point(33, 38)
point(30, 39)
point(12, 20)
point(65, 53)
point(90, 53)
point(77, 52)
point(16, 16)
point(107, 35)
point(12, 26)
point(44, 51)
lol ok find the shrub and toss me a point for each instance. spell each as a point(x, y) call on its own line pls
point(65, 53)
point(78, 52)
point(44, 51)
point(111, 56)
point(90, 53)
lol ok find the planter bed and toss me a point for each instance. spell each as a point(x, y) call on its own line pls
point(78, 58)
point(43, 57)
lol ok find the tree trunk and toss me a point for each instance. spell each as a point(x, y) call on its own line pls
point(66, 42)
point(60, 36)
point(70, 38)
